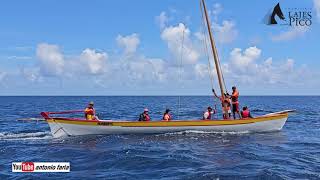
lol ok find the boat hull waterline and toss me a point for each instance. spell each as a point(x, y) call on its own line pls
point(61, 127)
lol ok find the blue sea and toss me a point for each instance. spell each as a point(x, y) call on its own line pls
point(292, 153)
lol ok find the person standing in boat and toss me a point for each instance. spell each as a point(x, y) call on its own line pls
point(90, 112)
point(167, 116)
point(226, 105)
point(235, 102)
point(207, 114)
point(145, 115)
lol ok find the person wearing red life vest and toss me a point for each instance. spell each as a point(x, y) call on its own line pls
point(145, 115)
point(245, 113)
point(207, 114)
point(226, 105)
point(166, 115)
point(90, 112)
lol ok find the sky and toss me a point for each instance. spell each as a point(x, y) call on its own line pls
point(96, 47)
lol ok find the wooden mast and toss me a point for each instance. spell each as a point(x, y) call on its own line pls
point(214, 51)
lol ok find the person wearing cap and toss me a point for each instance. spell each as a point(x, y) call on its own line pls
point(166, 115)
point(90, 112)
point(207, 114)
point(145, 115)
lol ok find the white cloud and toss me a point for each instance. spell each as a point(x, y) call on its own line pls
point(217, 9)
point(31, 74)
point(174, 35)
point(19, 57)
point(128, 70)
point(129, 43)
point(268, 62)
point(290, 34)
point(226, 32)
point(146, 69)
point(51, 59)
point(245, 68)
point(316, 4)
point(162, 19)
point(159, 68)
point(94, 61)
point(243, 60)
point(255, 40)
point(199, 35)
point(135, 72)
point(20, 48)
point(201, 70)
point(289, 64)
point(3, 75)
point(52, 62)
point(23, 48)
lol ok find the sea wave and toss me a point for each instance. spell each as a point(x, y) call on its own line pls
point(206, 132)
point(25, 135)
point(292, 153)
point(261, 110)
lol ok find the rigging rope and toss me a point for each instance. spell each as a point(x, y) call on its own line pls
point(180, 72)
point(205, 42)
point(224, 83)
point(206, 47)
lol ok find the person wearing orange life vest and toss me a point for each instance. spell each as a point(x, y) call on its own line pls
point(245, 113)
point(90, 112)
point(166, 115)
point(235, 102)
point(226, 105)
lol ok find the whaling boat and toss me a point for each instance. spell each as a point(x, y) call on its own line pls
point(61, 126)
point(72, 127)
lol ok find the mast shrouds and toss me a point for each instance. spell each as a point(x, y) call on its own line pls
point(214, 50)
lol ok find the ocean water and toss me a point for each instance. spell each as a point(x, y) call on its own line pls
point(293, 153)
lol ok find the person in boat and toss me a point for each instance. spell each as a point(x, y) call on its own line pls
point(145, 115)
point(90, 112)
point(235, 102)
point(207, 114)
point(226, 105)
point(245, 113)
point(166, 115)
